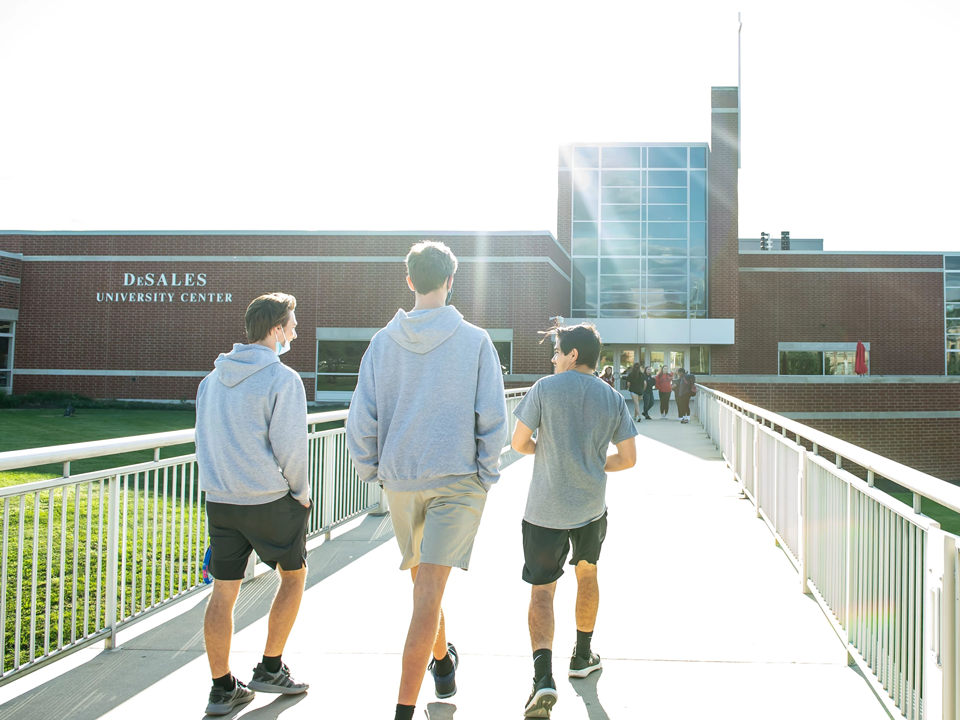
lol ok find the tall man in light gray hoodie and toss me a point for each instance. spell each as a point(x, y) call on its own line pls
point(428, 421)
point(252, 455)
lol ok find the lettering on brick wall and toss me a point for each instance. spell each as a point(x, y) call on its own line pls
point(160, 283)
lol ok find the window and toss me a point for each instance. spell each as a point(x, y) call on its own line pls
point(951, 310)
point(338, 364)
point(647, 207)
point(6, 355)
point(801, 362)
point(505, 351)
point(820, 358)
point(700, 359)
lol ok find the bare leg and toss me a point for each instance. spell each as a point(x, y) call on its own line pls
point(588, 596)
point(218, 625)
point(283, 611)
point(422, 635)
point(440, 646)
point(540, 616)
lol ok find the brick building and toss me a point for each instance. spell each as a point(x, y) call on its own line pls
point(647, 247)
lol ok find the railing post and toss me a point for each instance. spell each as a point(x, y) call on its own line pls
point(950, 629)
point(328, 484)
point(757, 432)
point(933, 577)
point(112, 587)
point(804, 524)
point(848, 575)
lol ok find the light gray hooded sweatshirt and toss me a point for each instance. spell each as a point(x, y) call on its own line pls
point(252, 429)
point(429, 407)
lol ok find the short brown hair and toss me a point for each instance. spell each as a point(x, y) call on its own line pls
point(429, 264)
point(266, 312)
point(583, 337)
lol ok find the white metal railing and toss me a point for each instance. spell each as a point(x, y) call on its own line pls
point(85, 555)
point(886, 576)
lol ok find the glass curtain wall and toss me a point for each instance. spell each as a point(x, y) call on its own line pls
point(639, 235)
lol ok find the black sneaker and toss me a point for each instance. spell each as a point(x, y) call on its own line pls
point(278, 682)
point(222, 702)
point(581, 667)
point(445, 686)
point(542, 698)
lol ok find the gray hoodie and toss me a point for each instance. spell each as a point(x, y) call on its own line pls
point(252, 429)
point(429, 407)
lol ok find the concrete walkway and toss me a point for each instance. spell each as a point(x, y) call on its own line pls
point(701, 616)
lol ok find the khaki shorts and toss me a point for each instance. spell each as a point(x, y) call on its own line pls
point(438, 526)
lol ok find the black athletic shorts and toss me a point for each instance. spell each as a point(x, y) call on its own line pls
point(545, 549)
point(276, 530)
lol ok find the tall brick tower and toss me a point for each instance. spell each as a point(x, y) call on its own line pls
point(722, 239)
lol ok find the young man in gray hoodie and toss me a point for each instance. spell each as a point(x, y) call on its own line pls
point(252, 455)
point(428, 422)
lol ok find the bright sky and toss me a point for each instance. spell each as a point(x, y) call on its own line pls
point(306, 115)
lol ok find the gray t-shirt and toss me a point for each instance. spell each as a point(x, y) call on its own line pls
point(578, 416)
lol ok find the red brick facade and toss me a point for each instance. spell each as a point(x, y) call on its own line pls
point(67, 323)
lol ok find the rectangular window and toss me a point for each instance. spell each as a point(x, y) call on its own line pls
point(842, 362)
point(953, 363)
point(585, 238)
point(801, 362)
point(619, 247)
point(505, 351)
point(620, 212)
point(951, 262)
point(585, 284)
point(6, 355)
point(953, 311)
point(672, 196)
point(666, 283)
point(658, 266)
point(667, 247)
point(951, 279)
point(698, 157)
point(698, 239)
point(622, 157)
point(626, 178)
point(668, 212)
point(620, 230)
point(667, 157)
point(619, 301)
point(698, 195)
point(621, 195)
point(699, 355)
point(586, 157)
point(620, 266)
point(619, 284)
point(586, 195)
point(338, 364)
point(668, 178)
point(667, 230)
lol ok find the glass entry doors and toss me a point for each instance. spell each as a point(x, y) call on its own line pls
point(674, 357)
point(622, 357)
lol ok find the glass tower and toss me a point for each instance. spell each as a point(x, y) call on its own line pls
point(639, 230)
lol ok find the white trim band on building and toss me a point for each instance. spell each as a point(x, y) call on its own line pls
point(829, 379)
point(9, 314)
point(904, 415)
point(128, 373)
point(841, 270)
point(9, 279)
point(12, 256)
point(725, 110)
point(280, 258)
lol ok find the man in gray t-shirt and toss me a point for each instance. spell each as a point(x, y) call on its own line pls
point(577, 417)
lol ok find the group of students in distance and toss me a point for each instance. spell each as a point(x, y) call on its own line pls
point(428, 374)
point(641, 382)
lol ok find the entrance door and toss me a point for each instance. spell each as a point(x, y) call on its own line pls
point(621, 358)
point(674, 357)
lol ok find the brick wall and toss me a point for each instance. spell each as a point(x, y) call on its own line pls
point(63, 325)
point(899, 314)
point(931, 445)
point(565, 208)
point(723, 212)
point(9, 291)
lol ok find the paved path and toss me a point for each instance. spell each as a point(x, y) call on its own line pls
point(701, 616)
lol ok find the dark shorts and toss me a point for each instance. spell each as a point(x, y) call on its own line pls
point(545, 549)
point(276, 530)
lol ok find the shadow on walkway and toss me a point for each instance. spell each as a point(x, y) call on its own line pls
point(95, 687)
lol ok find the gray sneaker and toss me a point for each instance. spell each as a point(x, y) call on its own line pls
point(278, 682)
point(581, 667)
point(222, 702)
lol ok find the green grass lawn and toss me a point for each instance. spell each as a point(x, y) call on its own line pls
point(21, 429)
point(948, 519)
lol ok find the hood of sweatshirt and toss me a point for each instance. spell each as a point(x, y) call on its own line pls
point(243, 361)
point(424, 330)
